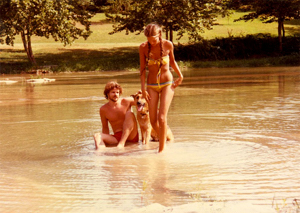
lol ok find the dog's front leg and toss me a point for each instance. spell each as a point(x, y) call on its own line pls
point(148, 135)
point(143, 136)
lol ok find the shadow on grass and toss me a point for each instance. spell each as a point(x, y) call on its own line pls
point(12, 51)
point(124, 58)
point(92, 60)
point(293, 30)
point(121, 58)
point(293, 22)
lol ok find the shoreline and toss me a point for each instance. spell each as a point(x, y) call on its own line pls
point(200, 207)
point(119, 57)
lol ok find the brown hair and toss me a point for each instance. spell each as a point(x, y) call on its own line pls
point(152, 30)
point(110, 86)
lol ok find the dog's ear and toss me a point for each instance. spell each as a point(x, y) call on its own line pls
point(135, 94)
point(139, 92)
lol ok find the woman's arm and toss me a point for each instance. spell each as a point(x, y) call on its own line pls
point(175, 66)
point(143, 71)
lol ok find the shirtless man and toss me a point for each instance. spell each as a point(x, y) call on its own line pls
point(117, 112)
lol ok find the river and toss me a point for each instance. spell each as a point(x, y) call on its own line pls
point(237, 138)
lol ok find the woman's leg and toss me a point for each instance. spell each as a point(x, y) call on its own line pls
point(166, 98)
point(153, 104)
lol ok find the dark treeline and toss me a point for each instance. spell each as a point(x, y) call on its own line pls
point(246, 47)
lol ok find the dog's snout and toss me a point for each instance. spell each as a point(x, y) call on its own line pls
point(140, 103)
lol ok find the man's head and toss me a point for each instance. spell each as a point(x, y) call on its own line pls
point(112, 86)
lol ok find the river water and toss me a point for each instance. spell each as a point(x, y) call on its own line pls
point(237, 138)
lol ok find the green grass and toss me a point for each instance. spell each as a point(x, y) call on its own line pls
point(102, 51)
point(101, 38)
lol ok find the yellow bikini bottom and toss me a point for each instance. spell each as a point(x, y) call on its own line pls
point(159, 87)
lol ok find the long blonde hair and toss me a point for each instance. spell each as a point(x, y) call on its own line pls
point(154, 29)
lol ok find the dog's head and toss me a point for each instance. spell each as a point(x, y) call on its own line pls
point(140, 102)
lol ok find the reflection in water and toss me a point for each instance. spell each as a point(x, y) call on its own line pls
point(236, 139)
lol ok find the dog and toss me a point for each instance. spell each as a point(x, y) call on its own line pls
point(143, 119)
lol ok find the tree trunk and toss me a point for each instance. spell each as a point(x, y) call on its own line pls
point(171, 35)
point(283, 31)
point(167, 34)
point(31, 59)
point(24, 42)
point(27, 47)
point(280, 24)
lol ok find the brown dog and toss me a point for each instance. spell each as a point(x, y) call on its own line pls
point(144, 120)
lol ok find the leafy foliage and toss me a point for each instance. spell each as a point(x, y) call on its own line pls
point(184, 16)
point(269, 11)
point(56, 18)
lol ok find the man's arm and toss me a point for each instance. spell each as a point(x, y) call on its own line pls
point(130, 102)
point(104, 121)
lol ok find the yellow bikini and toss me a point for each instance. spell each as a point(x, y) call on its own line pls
point(159, 86)
point(165, 60)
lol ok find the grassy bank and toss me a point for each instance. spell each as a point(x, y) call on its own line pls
point(120, 52)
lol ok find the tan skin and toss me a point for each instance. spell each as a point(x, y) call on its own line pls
point(159, 119)
point(117, 113)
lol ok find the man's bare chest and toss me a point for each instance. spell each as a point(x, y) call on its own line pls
point(116, 113)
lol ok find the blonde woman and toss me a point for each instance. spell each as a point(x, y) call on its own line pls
point(158, 55)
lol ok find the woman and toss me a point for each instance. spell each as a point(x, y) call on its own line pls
point(158, 55)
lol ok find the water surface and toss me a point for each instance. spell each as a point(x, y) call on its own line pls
point(236, 139)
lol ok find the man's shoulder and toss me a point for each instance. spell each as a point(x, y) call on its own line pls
point(104, 107)
point(127, 100)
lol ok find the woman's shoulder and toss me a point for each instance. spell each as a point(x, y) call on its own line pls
point(167, 43)
point(144, 45)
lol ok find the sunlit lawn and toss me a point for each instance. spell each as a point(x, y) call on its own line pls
point(95, 49)
point(226, 26)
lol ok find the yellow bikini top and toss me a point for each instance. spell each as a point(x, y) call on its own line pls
point(164, 60)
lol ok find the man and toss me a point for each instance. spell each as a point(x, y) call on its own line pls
point(117, 112)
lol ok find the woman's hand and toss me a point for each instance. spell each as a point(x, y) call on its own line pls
point(146, 95)
point(177, 82)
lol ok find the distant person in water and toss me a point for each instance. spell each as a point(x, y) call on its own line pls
point(158, 55)
point(117, 112)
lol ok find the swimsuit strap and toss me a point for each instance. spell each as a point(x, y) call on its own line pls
point(158, 78)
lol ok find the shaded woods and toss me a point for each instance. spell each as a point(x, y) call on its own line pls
point(246, 47)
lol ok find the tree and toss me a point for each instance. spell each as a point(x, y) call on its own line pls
point(183, 16)
point(98, 6)
point(269, 11)
point(56, 18)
